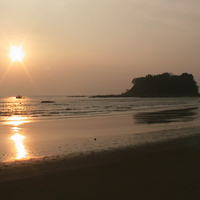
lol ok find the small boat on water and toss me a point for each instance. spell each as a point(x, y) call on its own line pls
point(20, 97)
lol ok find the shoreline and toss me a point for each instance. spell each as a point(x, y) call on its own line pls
point(161, 170)
point(68, 136)
point(71, 136)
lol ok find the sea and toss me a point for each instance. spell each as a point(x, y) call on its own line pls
point(151, 117)
point(57, 107)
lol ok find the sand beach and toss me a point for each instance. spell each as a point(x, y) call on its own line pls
point(113, 159)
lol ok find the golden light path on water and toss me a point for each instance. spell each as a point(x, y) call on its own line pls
point(18, 138)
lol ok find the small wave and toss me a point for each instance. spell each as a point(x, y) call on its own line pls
point(68, 109)
point(54, 113)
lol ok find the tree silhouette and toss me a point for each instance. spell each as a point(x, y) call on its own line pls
point(163, 85)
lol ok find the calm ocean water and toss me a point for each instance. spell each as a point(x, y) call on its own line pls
point(24, 142)
point(70, 107)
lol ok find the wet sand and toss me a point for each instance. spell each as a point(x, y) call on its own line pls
point(131, 163)
point(68, 136)
point(166, 170)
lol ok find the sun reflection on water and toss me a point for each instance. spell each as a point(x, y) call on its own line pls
point(17, 138)
point(16, 121)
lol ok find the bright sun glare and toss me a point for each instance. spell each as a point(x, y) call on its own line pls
point(16, 53)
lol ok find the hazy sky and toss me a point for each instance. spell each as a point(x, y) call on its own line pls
point(92, 47)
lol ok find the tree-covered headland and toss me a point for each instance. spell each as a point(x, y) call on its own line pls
point(163, 85)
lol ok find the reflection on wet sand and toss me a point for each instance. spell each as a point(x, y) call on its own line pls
point(21, 151)
point(18, 138)
point(166, 116)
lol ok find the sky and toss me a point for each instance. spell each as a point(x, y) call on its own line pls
point(87, 47)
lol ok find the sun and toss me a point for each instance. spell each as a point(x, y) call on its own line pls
point(16, 53)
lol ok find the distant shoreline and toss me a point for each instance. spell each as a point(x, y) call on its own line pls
point(157, 96)
point(161, 85)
